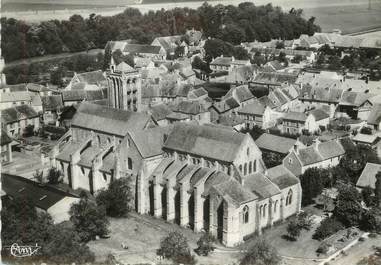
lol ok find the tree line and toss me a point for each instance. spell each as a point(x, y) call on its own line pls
point(231, 24)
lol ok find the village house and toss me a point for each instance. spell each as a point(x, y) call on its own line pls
point(257, 114)
point(366, 139)
point(368, 176)
point(72, 97)
point(273, 79)
point(51, 108)
point(170, 43)
point(46, 198)
point(221, 64)
point(317, 121)
point(6, 147)
point(94, 80)
point(309, 56)
point(293, 122)
point(159, 113)
point(319, 154)
point(15, 120)
point(189, 111)
point(11, 99)
point(146, 51)
point(374, 118)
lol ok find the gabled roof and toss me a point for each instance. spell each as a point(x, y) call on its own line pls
point(51, 103)
point(254, 108)
point(124, 67)
point(189, 107)
point(275, 143)
point(94, 77)
point(42, 197)
point(109, 120)
point(15, 96)
point(323, 151)
point(319, 114)
point(275, 78)
point(79, 95)
point(150, 142)
point(295, 116)
point(368, 176)
point(356, 99)
point(240, 93)
point(207, 141)
point(141, 48)
point(365, 138)
point(233, 191)
point(196, 93)
point(168, 42)
point(282, 177)
point(226, 104)
point(160, 111)
point(374, 117)
point(260, 185)
point(4, 138)
point(17, 113)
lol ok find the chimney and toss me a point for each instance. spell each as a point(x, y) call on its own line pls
point(296, 148)
point(233, 59)
point(316, 143)
point(165, 137)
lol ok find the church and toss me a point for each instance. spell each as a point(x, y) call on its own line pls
point(204, 177)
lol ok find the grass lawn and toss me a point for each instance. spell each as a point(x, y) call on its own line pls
point(142, 234)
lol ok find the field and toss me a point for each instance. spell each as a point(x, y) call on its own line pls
point(348, 15)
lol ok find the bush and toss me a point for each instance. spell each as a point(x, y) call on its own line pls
point(366, 130)
point(175, 247)
point(54, 176)
point(260, 252)
point(116, 198)
point(293, 229)
point(205, 244)
point(328, 227)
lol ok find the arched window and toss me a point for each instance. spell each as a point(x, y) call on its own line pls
point(129, 163)
point(248, 151)
point(104, 177)
point(246, 214)
point(264, 210)
point(250, 167)
point(245, 169)
point(260, 210)
point(128, 143)
point(99, 140)
point(255, 166)
point(289, 197)
point(240, 168)
point(109, 140)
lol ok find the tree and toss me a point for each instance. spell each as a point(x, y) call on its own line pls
point(89, 219)
point(56, 77)
point(348, 208)
point(279, 45)
point(175, 247)
point(297, 59)
point(39, 176)
point(371, 220)
point(313, 181)
point(334, 63)
point(327, 227)
point(293, 229)
point(117, 198)
point(272, 159)
point(260, 252)
point(54, 176)
point(367, 196)
point(377, 190)
point(205, 244)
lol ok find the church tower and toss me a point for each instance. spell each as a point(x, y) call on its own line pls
point(124, 88)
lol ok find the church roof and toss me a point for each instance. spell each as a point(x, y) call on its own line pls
point(109, 120)
point(282, 177)
point(206, 141)
point(260, 185)
point(275, 143)
point(141, 48)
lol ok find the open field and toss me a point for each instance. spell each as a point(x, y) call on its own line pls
point(348, 15)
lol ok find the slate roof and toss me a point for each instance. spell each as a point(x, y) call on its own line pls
point(141, 48)
point(275, 143)
point(150, 142)
point(368, 176)
point(254, 108)
point(50, 103)
point(88, 155)
point(42, 197)
point(282, 177)
point(233, 191)
point(374, 117)
point(206, 141)
point(4, 138)
point(260, 185)
point(109, 120)
point(68, 149)
point(17, 113)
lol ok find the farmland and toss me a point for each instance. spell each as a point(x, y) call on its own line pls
point(348, 15)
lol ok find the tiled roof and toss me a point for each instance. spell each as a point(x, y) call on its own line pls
point(79, 95)
point(42, 197)
point(240, 93)
point(189, 107)
point(51, 103)
point(260, 185)
point(275, 143)
point(275, 78)
point(150, 142)
point(295, 116)
point(349, 98)
point(374, 117)
point(15, 96)
point(124, 67)
point(233, 191)
point(141, 48)
point(94, 77)
point(365, 138)
point(4, 138)
point(254, 108)
point(226, 104)
point(206, 141)
point(324, 151)
point(109, 120)
point(319, 114)
point(159, 111)
point(17, 113)
point(282, 177)
point(368, 176)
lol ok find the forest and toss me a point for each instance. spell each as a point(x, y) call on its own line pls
point(232, 24)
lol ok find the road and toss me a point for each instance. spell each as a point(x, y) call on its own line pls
point(50, 57)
